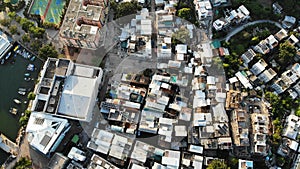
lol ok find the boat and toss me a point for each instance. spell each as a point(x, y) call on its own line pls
point(27, 79)
point(22, 89)
point(22, 93)
point(17, 101)
point(8, 55)
point(30, 67)
point(27, 74)
point(16, 48)
point(13, 111)
point(32, 58)
point(2, 61)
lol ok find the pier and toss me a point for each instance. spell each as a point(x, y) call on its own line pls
point(8, 146)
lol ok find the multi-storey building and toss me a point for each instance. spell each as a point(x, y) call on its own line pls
point(82, 23)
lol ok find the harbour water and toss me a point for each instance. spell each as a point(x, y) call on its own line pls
point(12, 78)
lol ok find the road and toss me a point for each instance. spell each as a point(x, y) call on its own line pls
point(242, 27)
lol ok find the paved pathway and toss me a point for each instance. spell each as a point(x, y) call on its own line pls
point(242, 27)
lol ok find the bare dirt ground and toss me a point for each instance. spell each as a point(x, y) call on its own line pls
point(38, 161)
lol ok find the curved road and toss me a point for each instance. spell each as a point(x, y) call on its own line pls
point(242, 27)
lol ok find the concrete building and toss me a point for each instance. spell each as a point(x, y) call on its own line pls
point(58, 161)
point(288, 22)
point(67, 89)
point(98, 162)
point(77, 154)
point(245, 164)
point(237, 16)
point(259, 67)
point(248, 56)
point(280, 35)
point(142, 151)
point(45, 132)
point(260, 127)
point(5, 44)
point(115, 146)
point(82, 23)
point(267, 75)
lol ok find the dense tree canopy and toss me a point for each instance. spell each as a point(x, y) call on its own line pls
point(13, 29)
point(47, 51)
point(286, 52)
point(12, 15)
point(26, 38)
point(5, 22)
point(26, 24)
point(127, 8)
point(181, 36)
point(23, 163)
point(37, 32)
point(217, 164)
point(187, 14)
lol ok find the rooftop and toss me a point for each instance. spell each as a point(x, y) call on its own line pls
point(67, 89)
point(83, 20)
point(44, 131)
point(58, 161)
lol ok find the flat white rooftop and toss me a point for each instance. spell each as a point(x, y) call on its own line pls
point(44, 131)
point(77, 97)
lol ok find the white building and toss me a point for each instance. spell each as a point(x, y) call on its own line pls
point(45, 132)
point(5, 44)
point(76, 154)
point(288, 22)
point(67, 89)
point(245, 164)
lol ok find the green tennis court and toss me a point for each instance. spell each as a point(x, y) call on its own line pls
point(52, 14)
point(55, 11)
point(39, 7)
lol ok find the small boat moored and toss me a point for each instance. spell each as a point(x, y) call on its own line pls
point(13, 111)
point(22, 89)
point(23, 93)
point(17, 101)
point(32, 58)
point(30, 67)
point(27, 74)
point(7, 56)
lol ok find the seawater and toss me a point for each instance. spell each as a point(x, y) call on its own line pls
point(11, 79)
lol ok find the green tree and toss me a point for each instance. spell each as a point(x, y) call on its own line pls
point(13, 29)
point(297, 112)
point(36, 45)
point(18, 19)
point(148, 72)
point(26, 24)
point(48, 25)
point(5, 22)
point(180, 36)
point(37, 32)
point(127, 8)
point(12, 15)
point(217, 164)
point(31, 96)
point(187, 14)
point(286, 52)
point(47, 51)
point(23, 163)
point(280, 160)
point(26, 38)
